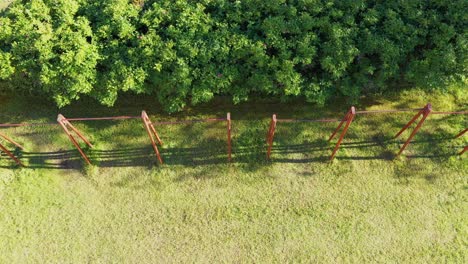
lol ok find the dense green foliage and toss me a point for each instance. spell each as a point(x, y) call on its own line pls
point(188, 51)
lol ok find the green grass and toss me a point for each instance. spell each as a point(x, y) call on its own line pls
point(4, 4)
point(363, 207)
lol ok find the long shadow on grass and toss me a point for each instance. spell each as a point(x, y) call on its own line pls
point(429, 148)
point(123, 157)
point(62, 159)
point(317, 151)
point(324, 149)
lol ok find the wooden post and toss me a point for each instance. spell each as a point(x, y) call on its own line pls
point(271, 135)
point(349, 119)
point(63, 122)
point(151, 131)
point(425, 113)
point(228, 118)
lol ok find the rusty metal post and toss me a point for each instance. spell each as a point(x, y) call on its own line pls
point(228, 118)
point(79, 134)
point(269, 132)
point(349, 119)
point(11, 141)
point(11, 155)
point(150, 129)
point(68, 124)
point(461, 133)
point(271, 135)
point(338, 128)
point(463, 151)
point(63, 122)
point(155, 133)
point(425, 113)
point(421, 112)
point(151, 126)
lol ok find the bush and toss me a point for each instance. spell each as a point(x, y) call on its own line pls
point(188, 51)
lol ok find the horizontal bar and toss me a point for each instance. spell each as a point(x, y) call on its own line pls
point(27, 124)
point(450, 113)
point(103, 118)
point(308, 120)
point(189, 121)
point(389, 111)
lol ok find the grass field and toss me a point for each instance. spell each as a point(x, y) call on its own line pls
point(4, 4)
point(364, 206)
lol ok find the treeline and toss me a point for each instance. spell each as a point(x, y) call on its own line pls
point(184, 51)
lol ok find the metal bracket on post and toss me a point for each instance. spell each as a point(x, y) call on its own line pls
point(424, 113)
point(152, 133)
point(4, 149)
point(349, 119)
point(228, 121)
point(271, 135)
point(65, 124)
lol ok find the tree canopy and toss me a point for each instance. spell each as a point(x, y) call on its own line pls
point(184, 51)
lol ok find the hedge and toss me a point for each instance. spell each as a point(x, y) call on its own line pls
point(186, 52)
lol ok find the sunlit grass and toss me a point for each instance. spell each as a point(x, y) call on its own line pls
point(4, 4)
point(365, 206)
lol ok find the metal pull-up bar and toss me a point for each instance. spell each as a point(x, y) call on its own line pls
point(271, 135)
point(4, 149)
point(65, 124)
point(424, 113)
point(348, 119)
point(271, 131)
point(152, 131)
point(102, 118)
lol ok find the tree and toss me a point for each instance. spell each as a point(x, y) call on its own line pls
point(189, 51)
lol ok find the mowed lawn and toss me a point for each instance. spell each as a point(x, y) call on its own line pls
point(4, 4)
point(364, 206)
